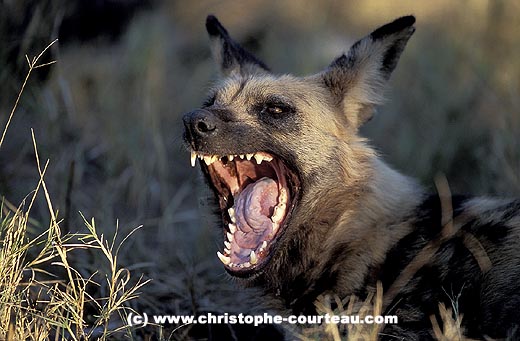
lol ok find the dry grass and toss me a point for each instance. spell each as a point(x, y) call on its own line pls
point(350, 306)
point(37, 304)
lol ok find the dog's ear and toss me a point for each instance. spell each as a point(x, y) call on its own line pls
point(357, 79)
point(229, 55)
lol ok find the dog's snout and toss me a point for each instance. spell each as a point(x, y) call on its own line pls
point(200, 122)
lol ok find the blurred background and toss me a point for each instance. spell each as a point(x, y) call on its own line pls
point(108, 113)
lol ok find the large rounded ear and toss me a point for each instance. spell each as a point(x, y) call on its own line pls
point(229, 55)
point(357, 79)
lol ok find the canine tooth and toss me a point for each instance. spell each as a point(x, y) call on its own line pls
point(223, 259)
point(253, 258)
point(249, 157)
point(232, 228)
point(259, 159)
point(193, 158)
point(230, 157)
point(228, 244)
point(229, 236)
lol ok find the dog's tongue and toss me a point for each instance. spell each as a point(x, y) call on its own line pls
point(254, 207)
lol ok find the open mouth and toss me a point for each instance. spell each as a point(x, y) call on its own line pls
point(257, 193)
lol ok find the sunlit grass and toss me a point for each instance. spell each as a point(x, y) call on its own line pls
point(42, 295)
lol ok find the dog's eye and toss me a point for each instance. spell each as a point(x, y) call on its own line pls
point(275, 110)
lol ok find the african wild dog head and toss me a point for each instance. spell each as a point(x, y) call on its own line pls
point(282, 153)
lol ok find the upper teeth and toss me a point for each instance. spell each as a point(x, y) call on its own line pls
point(259, 158)
point(193, 158)
point(209, 159)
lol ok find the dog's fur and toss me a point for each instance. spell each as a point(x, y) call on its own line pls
point(357, 220)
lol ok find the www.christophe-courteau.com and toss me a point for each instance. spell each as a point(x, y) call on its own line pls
point(143, 319)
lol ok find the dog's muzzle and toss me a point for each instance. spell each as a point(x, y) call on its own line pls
point(199, 124)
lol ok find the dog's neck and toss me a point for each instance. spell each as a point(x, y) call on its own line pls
point(368, 191)
point(391, 194)
point(349, 249)
point(381, 208)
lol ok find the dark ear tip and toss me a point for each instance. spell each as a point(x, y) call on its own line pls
point(398, 25)
point(409, 19)
point(406, 21)
point(214, 27)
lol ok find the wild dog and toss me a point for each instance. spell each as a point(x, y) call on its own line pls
point(308, 207)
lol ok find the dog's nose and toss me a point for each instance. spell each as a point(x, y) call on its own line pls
point(200, 122)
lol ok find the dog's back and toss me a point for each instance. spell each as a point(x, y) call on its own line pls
point(469, 263)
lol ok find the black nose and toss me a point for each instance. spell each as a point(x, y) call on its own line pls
point(200, 123)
